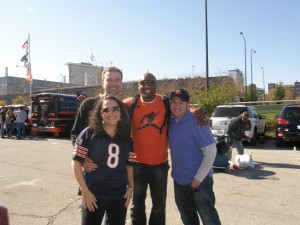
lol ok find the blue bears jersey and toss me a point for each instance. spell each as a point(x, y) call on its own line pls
point(112, 155)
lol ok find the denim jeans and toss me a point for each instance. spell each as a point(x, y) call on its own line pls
point(239, 146)
point(156, 176)
point(9, 129)
point(190, 203)
point(2, 130)
point(21, 130)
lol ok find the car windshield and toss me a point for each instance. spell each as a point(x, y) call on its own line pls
point(228, 111)
point(292, 112)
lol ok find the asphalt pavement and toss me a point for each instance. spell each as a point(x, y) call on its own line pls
point(38, 187)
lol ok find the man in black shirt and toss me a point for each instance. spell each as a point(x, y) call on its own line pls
point(112, 84)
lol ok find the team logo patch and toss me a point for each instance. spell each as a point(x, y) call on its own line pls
point(80, 141)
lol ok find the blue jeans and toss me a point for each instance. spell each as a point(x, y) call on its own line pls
point(156, 176)
point(2, 130)
point(190, 203)
point(21, 130)
point(239, 146)
point(9, 129)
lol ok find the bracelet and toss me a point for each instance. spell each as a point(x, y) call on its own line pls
point(130, 186)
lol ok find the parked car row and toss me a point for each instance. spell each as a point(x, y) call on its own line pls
point(287, 123)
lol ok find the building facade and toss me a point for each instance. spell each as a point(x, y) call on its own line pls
point(18, 85)
point(238, 78)
point(84, 74)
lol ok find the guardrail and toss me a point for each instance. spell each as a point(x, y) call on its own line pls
point(276, 102)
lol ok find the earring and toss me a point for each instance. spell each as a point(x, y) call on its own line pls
point(103, 122)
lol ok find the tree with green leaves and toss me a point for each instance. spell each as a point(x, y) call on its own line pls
point(3, 103)
point(218, 94)
point(21, 100)
point(279, 92)
point(251, 96)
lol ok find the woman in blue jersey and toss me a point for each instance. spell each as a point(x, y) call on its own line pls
point(107, 142)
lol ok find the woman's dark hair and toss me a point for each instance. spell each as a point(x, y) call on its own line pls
point(96, 120)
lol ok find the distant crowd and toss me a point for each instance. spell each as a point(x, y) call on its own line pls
point(12, 122)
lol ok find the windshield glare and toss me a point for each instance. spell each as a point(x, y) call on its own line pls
point(228, 111)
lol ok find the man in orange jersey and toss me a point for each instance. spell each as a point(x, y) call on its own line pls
point(149, 134)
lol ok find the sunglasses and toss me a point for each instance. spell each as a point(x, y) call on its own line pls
point(147, 82)
point(112, 109)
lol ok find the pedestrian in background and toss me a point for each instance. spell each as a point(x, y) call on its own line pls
point(236, 131)
point(8, 123)
point(21, 116)
point(193, 151)
point(80, 95)
point(2, 121)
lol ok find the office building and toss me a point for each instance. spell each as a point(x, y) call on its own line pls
point(84, 74)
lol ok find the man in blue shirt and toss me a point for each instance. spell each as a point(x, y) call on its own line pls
point(193, 151)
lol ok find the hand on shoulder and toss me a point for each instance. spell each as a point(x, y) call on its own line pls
point(200, 118)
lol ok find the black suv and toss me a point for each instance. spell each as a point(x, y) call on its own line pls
point(288, 125)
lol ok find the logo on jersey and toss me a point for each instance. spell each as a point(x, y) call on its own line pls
point(148, 121)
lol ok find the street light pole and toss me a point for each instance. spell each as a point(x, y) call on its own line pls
point(252, 51)
point(207, 82)
point(245, 66)
point(264, 83)
point(193, 70)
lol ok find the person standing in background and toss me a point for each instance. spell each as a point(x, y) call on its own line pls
point(8, 123)
point(2, 121)
point(236, 131)
point(21, 116)
point(80, 95)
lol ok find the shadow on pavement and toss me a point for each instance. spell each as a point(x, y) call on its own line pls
point(270, 145)
point(259, 172)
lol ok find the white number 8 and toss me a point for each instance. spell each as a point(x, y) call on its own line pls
point(113, 155)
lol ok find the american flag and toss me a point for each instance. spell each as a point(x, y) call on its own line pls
point(25, 45)
point(26, 60)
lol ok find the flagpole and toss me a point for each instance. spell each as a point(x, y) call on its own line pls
point(29, 65)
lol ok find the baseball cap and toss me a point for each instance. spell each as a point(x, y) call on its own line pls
point(78, 93)
point(180, 93)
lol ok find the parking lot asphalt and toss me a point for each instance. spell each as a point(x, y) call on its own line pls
point(38, 188)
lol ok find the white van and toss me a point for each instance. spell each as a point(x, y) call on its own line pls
point(224, 113)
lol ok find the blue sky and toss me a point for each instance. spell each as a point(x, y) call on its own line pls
point(166, 37)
